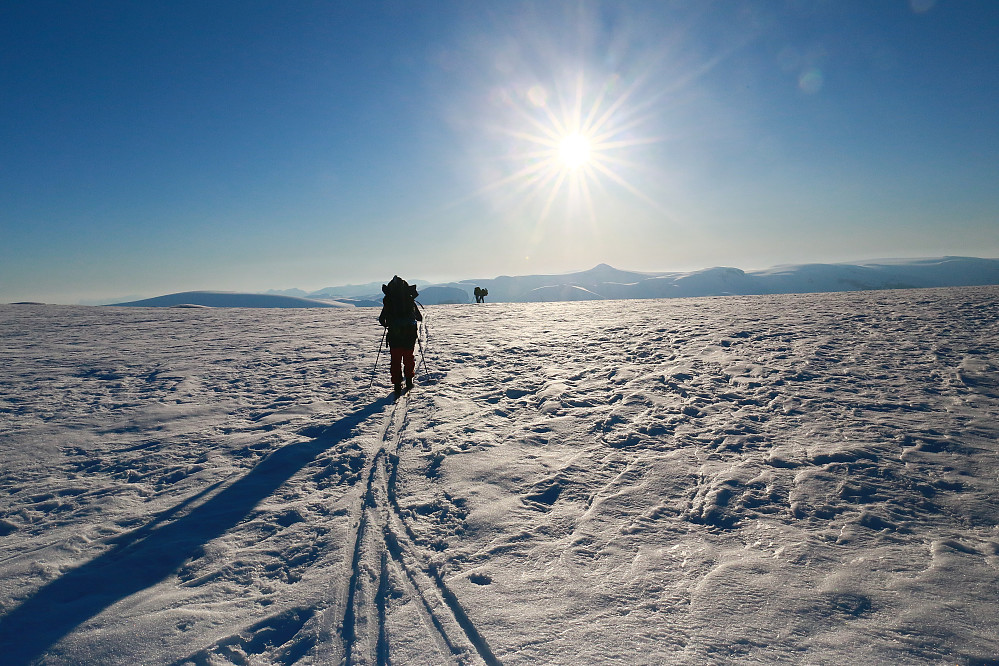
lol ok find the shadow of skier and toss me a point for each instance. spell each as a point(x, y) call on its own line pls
point(147, 555)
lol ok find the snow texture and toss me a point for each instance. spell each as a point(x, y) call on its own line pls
point(763, 479)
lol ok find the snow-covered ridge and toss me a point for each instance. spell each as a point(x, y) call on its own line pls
point(231, 299)
point(604, 282)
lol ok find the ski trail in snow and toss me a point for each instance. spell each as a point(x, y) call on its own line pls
point(344, 624)
point(387, 574)
point(401, 541)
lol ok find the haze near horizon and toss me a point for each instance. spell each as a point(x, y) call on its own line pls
point(160, 148)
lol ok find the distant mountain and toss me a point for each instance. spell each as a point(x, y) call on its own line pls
point(443, 295)
point(561, 292)
point(529, 288)
point(370, 291)
point(298, 293)
point(371, 302)
point(607, 282)
point(227, 299)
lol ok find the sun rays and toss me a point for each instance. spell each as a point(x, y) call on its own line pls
point(564, 145)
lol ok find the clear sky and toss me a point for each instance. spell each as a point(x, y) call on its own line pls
point(154, 147)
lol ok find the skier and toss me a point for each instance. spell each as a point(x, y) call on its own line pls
point(400, 316)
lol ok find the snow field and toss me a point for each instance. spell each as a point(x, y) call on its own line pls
point(691, 481)
point(801, 479)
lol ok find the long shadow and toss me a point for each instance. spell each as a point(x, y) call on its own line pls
point(149, 554)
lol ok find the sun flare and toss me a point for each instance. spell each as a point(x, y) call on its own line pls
point(574, 151)
point(565, 143)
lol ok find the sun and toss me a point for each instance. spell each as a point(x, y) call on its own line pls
point(562, 144)
point(574, 151)
point(565, 148)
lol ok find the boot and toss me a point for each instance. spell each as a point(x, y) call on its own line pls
point(398, 388)
point(409, 383)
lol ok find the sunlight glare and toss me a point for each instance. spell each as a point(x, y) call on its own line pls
point(566, 141)
point(574, 151)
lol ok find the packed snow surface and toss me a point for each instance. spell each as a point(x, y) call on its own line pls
point(800, 479)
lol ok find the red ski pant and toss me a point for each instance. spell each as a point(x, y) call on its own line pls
point(402, 359)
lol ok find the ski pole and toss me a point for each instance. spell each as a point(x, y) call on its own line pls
point(426, 332)
point(426, 325)
point(423, 358)
point(380, 345)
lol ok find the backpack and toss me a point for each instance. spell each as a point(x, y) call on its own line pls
point(399, 300)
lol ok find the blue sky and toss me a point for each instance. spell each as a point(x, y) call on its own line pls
point(154, 147)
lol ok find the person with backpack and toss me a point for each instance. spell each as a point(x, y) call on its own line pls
point(400, 316)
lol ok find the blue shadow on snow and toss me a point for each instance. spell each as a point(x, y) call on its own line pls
point(146, 556)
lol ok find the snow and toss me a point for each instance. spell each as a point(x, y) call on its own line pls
point(796, 478)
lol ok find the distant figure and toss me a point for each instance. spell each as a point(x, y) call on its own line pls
point(480, 295)
point(400, 316)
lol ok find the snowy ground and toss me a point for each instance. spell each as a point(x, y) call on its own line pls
point(801, 479)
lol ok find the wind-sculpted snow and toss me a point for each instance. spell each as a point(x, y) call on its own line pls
point(801, 479)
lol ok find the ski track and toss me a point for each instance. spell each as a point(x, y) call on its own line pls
point(788, 478)
point(385, 560)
